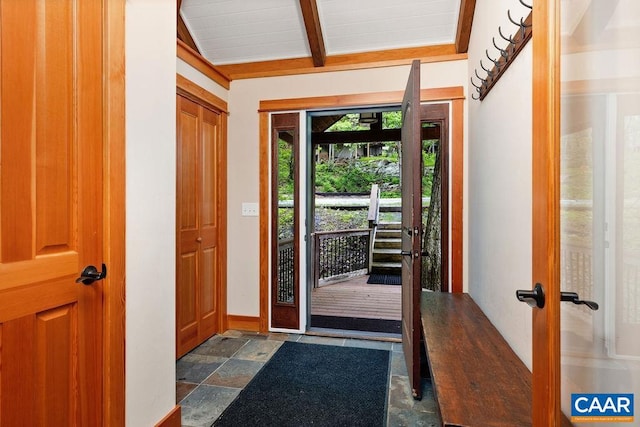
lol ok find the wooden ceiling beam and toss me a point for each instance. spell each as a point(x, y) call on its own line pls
point(356, 61)
point(465, 22)
point(314, 31)
point(373, 135)
point(183, 32)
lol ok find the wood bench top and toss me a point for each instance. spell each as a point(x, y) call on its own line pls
point(477, 378)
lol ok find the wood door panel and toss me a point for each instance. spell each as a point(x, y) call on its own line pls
point(39, 351)
point(411, 171)
point(208, 300)
point(188, 160)
point(199, 210)
point(188, 276)
point(51, 211)
point(210, 150)
point(55, 375)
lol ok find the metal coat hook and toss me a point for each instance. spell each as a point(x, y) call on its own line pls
point(525, 5)
point(487, 70)
point(474, 85)
point(496, 63)
point(484, 81)
point(510, 39)
point(521, 24)
point(503, 52)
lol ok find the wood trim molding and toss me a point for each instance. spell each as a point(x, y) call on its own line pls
point(454, 94)
point(201, 64)
point(457, 195)
point(357, 61)
point(198, 94)
point(359, 100)
point(114, 205)
point(172, 419)
point(465, 22)
point(265, 219)
point(545, 212)
point(244, 323)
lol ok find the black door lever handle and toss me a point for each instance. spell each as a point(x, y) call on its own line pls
point(90, 274)
point(575, 298)
point(533, 297)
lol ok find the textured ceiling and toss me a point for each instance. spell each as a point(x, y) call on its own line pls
point(233, 31)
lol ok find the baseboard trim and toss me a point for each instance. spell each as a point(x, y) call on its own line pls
point(243, 323)
point(172, 419)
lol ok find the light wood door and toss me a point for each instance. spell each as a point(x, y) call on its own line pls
point(199, 254)
point(411, 180)
point(51, 212)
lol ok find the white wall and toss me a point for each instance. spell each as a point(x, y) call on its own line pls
point(150, 209)
point(201, 80)
point(243, 146)
point(499, 157)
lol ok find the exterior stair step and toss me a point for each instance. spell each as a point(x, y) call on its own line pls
point(388, 243)
point(388, 234)
point(391, 225)
point(387, 255)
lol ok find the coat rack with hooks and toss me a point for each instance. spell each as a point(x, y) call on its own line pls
point(504, 56)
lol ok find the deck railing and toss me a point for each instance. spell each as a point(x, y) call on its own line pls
point(577, 276)
point(340, 254)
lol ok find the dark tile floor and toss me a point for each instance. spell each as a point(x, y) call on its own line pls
point(212, 375)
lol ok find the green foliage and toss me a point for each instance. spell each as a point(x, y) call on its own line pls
point(286, 168)
point(354, 176)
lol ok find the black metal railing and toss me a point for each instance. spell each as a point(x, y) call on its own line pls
point(286, 271)
point(340, 253)
point(577, 276)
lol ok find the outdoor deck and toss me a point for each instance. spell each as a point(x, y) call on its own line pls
point(356, 298)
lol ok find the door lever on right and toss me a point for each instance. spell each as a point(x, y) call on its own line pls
point(575, 298)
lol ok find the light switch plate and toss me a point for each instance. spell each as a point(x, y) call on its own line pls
point(249, 209)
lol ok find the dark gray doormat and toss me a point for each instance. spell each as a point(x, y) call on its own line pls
point(356, 324)
point(384, 279)
point(311, 384)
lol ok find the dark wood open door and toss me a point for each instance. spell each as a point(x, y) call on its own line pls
point(411, 151)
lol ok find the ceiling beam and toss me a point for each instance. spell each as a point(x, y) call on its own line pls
point(465, 22)
point(314, 31)
point(353, 61)
point(373, 135)
point(183, 32)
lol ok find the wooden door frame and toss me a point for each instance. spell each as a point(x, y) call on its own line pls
point(114, 213)
point(546, 211)
point(453, 94)
point(204, 98)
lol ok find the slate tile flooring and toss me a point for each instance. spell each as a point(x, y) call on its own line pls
point(213, 374)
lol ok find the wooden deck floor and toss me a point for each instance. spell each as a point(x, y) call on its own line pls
point(356, 298)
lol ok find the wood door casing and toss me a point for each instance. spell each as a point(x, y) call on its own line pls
point(51, 212)
point(411, 181)
point(199, 254)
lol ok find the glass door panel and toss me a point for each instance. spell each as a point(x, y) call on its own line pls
point(600, 202)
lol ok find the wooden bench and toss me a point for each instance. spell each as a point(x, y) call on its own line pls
point(477, 378)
